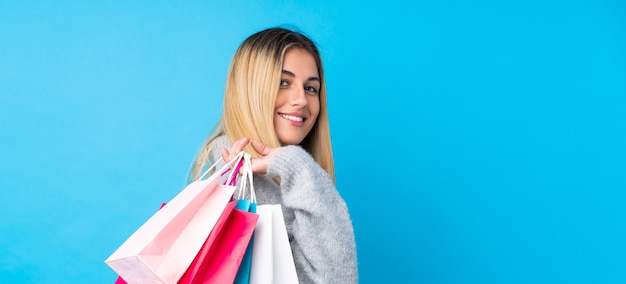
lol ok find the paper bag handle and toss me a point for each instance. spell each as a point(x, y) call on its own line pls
point(224, 168)
point(247, 178)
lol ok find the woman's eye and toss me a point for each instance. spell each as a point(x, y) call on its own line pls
point(310, 89)
point(284, 83)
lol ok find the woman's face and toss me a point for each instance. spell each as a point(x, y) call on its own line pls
point(298, 101)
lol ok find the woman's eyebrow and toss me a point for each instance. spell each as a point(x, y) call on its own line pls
point(290, 74)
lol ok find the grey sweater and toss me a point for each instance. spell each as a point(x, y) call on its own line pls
point(317, 219)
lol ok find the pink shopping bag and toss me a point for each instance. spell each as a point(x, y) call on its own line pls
point(199, 265)
point(219, 259)
point(162, 249)
point(119, 279)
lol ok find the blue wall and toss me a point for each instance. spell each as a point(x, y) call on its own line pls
point(475, 141)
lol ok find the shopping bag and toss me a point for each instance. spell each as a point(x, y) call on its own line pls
point(220, 257)
point(162, 249)
point(198, 267)
point(119, 279)
point(229, 248)
point(197, 264)
point(272, 260)
point(249, 205)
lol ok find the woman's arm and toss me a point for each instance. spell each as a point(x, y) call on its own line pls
point(322, 236)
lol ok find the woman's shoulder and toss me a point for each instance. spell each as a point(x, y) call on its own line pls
point(216, 144)
point(221, 141)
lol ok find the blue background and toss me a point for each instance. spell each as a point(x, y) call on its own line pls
point(475, 141)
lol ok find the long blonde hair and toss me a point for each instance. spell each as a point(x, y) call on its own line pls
point(252, 85)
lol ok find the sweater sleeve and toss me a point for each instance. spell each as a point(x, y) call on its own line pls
point(321, 232)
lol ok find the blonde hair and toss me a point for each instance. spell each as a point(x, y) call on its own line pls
point(252, 85)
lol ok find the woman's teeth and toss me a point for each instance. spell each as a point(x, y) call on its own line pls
point(292, 118)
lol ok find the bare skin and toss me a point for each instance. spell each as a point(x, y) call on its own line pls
point(259, 165)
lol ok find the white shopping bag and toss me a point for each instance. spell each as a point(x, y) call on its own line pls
point(272, 260)
point(162, 249)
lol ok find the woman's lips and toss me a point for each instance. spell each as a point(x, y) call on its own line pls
point(294, 119)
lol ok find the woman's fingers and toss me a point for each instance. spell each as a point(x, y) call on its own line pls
point(225, 155)
point(239, 145)
point(235, 149)
point(260, 148)
point(260, 165)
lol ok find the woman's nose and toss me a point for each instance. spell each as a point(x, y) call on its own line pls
point(298, 97)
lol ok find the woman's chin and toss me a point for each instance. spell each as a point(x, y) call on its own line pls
point(290, 141)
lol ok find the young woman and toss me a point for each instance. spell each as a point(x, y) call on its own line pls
point(275, 109)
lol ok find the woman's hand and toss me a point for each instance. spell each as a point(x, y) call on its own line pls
point(259, 165)
point(234, 150)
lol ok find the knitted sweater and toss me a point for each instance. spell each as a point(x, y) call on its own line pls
point(317, 219)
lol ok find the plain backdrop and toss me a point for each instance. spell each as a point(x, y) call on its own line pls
point(475, 141)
